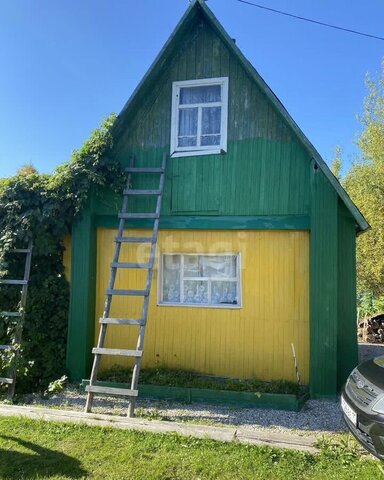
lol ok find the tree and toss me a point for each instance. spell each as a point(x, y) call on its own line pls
point(371, 140)
point(337, 163)
point(365, 184)
point(27, 169)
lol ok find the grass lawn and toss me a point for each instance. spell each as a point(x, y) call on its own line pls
point(31, 449)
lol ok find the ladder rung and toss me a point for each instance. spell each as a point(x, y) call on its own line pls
point(10, 314)
point(131, 293)
point(122, 321)
point(156, 190)
point(130, 191)
point(113, 391)
point(135, 239)
point(21, 250)
point(13, 282)
point(7, 347)
point(139, 215)
point(144, 170)
point(117, 351)
point(129, 265)
point(6, 380)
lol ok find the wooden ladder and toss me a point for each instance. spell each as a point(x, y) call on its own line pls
point(106, 320)
point(18, 317)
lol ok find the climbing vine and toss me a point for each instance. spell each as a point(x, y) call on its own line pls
point(44, 207)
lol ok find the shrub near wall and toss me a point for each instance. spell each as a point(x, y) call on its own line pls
point(43, 207)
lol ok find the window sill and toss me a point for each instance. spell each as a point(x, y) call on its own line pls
point(194, 153)
point(195, 305)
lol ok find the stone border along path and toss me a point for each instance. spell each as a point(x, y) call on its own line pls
point(223, 434)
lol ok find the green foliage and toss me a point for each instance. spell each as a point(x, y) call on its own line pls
point(43, 207)
point(31, 449)
point(337, 163)
point(365, 184)
point(368, 305)
point(57, 386)
point(344, 449)
point(371, 140)
point(186, 378)
point(27, 169)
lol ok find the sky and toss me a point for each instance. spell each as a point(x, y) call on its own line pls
point(64, 66)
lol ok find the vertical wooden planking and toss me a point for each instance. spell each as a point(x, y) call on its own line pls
point(82, 299)
point(324, 282)
point(257, 137)
point(347, 349)
point(252, 341)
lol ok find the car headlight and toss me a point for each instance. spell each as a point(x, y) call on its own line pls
point(378, 407)
point(353, 377)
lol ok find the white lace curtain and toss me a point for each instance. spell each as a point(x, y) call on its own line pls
point(197, 116)
point(200, 279)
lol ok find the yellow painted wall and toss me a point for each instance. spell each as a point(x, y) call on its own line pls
point(252, 341)
point(67, 256)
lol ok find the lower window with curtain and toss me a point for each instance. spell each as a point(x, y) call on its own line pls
point(211, 280)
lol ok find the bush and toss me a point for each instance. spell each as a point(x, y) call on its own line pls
point(43, 208)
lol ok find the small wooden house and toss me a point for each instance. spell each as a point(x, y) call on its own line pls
point(256, 248)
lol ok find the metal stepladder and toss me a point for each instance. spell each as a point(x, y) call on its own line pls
point(132, 392)
point(18, 315)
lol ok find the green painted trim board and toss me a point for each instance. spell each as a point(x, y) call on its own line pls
point(278, 222)
point(82, 299)
point(215, 397)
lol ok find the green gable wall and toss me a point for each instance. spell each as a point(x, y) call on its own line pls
point(264, 172)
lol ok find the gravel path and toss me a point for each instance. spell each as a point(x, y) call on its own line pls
point(370, 350)
point(317, 416)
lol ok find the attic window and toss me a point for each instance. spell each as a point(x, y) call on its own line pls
point(199, 117)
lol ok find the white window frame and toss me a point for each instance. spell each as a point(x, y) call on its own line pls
point(204, 149)
point(160, 301)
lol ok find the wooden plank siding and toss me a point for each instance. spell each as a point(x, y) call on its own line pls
point(324, 286)
point(252, 341)
point(265, 171)
point(67, 257)
point(82, 301)
point(347, 350)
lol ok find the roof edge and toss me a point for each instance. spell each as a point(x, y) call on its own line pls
point(200, 5)
point(361, 222)
point(159, 58)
